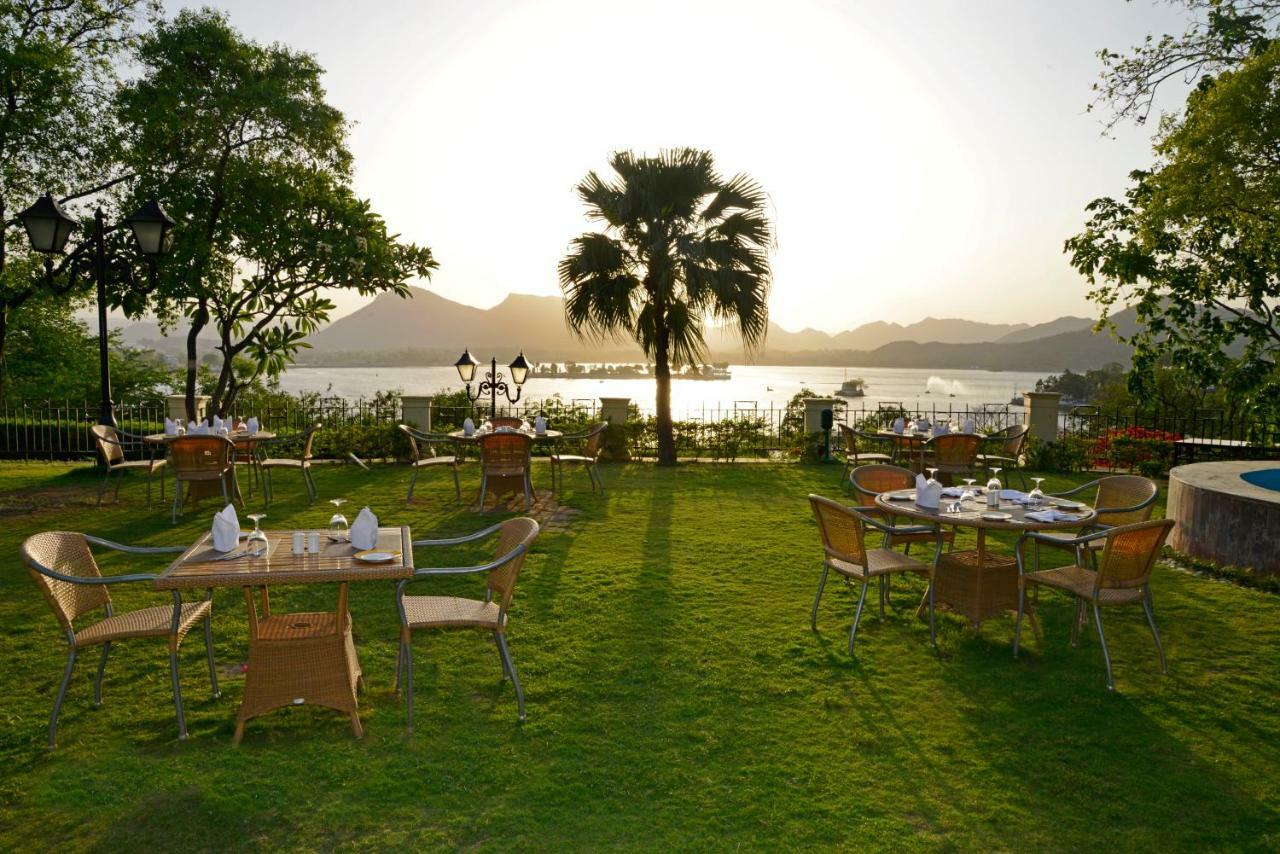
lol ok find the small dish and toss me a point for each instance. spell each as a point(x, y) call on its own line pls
point(902, 496)
point(993, 516)
point(376, 556)
point(1069, 505)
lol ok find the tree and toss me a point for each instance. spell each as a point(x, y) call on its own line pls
point(1195, 243)
point(680, 245)
point(252, 163)
point(58, 75)
point(1221, 35)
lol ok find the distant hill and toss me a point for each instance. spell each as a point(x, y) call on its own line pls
point(1044, 330)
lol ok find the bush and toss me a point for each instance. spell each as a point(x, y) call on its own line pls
point(1065, 455)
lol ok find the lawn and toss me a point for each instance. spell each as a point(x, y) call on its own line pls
point(677, 697)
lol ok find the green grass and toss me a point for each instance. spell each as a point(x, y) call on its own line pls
point(677, 698)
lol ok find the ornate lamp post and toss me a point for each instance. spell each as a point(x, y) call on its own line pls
point(48, 228)
point(493, 381)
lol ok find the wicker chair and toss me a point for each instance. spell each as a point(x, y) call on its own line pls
point(302, 464)
point(499, 421)
point(953, 453)
point(506, 455)
point(203, 460)
point(1123, 577)
point(1003, 449)
point(515, 538)
point(853, 457)
point(1121, 499)
point(593, 445)
point(869, 481)
point(68, 576)
point(418, 441)
point(843, 540)
point(111, 449)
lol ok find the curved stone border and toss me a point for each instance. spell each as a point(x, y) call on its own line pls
point(1223, 518)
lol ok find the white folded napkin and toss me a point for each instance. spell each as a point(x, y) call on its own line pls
point(899, 425)
point(226, 529)
point(252, 426)
point(1052, 515)
point(539, 425)
point(170, 427)
point(217, 423)
point(941, 429)
point(468, 427)
point(364, 530)
point(922, 425)
point(191, 427)
point(1013, 495)
point(969, 425)
point(927, 494)
point(952, 491)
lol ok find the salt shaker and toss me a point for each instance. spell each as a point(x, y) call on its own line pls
point(313, 542)
point(299, 543)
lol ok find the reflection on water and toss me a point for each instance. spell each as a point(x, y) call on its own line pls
point(751, 386)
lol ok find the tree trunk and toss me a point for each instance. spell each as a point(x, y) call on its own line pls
point(198, 323)
point(662, 372)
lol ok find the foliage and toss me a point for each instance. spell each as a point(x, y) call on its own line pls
point(1195, 243)
point(1134, 447)
point(1065, 455)
point(680, 245)
point(251, 161)
point(1086, 386)
point(1242, 575)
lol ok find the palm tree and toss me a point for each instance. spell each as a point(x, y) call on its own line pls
point(680, 245)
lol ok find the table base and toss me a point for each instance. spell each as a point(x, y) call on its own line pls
point(296, 659)
point(978, 585)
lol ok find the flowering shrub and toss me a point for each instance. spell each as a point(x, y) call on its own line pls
point(1142, 448)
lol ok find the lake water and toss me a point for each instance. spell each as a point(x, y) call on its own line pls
point(761, 385)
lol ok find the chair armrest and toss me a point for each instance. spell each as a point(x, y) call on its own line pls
point(1081, 488)
point(101, 580)
point(1059, 541)
point(136, 550)
point(1141, 505)
point(891, 529)
point(467, 570)
point(453, 541)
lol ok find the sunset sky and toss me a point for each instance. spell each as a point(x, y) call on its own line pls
point(924, 158)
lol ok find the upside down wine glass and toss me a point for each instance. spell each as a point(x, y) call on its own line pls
point(993, 488)
point(256, 543)
point(339, 530)
point(1036, 495)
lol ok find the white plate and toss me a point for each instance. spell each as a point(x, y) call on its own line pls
point(992, 516)
point(1069, 505)
point(902, 496)
point(375, 556)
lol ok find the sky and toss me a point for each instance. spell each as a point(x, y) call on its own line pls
point(921, 158)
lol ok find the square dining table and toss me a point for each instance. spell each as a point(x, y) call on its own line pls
point(301, 657)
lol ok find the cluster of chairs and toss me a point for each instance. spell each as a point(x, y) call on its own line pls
point(63, 566)
point(952, 454)
point(205, 459)
point(1114, 556)
point(504, 455)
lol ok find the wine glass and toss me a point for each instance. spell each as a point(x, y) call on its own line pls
point(969, 491)
point(339, 530)
point(1036, 496)
point(256, 544)
point(933, 474)
point(993, 488)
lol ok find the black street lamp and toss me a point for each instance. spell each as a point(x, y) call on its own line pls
point(493, 381)
point(48, 228)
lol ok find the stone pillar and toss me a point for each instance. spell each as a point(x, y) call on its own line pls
point(1040, 413)
point(176, 407)
point(614, 409)
point(813, 407)
point(416, 411)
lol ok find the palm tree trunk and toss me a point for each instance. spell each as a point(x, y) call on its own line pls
point(662, 372)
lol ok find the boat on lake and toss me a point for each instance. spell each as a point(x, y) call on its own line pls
point(855, 387)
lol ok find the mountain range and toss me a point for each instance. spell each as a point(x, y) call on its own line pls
point(430, 329)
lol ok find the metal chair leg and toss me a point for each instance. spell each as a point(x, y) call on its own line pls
point(119, 481)
point(822, 582)
point(457, 487)
point(1151, 621)
point(506, 673)
point(511, 668)
point(1106, 656)
point(1017, 623)
point(1076, 620)
point(177, 693)
point(62, 693)
point(177, 496)
point(528, 491)
point(208, 648)
point(102, 667)
point(853, 632)
point(484, 489)
point(102, 486)
point(413, 480)
point(933, 632)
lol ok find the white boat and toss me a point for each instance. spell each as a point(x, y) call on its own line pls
point(852, 388)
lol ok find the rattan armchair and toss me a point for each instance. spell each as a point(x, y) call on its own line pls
point(1123, 577)
point(68, 576)
point(111, 449)
point(423, 455)
point(515, 538)
point(1121, 499)
point(302, 464)
point(853, 440)
point(506, 455)
point(953, 453)
point(844, 543)
point(201, 460)
point(871, 480)
point(592, 446)
point(1003, 449)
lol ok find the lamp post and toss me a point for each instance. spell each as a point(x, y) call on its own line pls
point(49, 227)
point(493, 381)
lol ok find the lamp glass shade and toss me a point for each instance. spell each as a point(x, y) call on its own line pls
point(152, 229)
point(47, 224)
point(519, 369)
point(466, 366)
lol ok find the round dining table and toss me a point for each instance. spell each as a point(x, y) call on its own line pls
point(545, 436)
point(975, 582)
point(242, 439)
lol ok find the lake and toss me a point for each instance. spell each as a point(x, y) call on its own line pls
point(761, 385)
